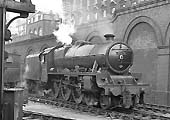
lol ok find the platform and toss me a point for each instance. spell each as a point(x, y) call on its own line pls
point(60, 112)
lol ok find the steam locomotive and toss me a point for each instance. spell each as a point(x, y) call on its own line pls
point(96, 74)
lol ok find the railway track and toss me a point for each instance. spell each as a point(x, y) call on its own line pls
point(156, 108)
point(140, 112)
point(29, 115)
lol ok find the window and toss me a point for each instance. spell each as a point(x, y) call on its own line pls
point(39, 17)
point(88, 3)
point(40, 31)
point(33, 19)
point(29, 21)
point(88, 17)
point(35, 31)
point(36, 18)
point(104, 13)
point(96, 16)
point(95, 2)
point(81, 4)
point(30, 31)
point(80, 20)
point(113, 10)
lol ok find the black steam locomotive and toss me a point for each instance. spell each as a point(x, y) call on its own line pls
point(96, 74)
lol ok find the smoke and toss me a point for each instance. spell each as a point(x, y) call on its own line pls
point(80, 17)
point(92, 19)
point(64, 33)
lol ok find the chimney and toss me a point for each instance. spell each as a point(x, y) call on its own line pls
point(109, 37)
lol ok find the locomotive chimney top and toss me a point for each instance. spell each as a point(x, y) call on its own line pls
point(109, 37)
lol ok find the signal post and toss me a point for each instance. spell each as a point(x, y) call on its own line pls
point(23, 7)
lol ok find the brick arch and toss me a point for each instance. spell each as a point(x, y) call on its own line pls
point(43, 47)
point(145, 52)
point(94, 36)
point(30, 50)
point(167, 35)
point(144, 19)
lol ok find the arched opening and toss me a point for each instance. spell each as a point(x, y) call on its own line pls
point(40, 32)
point(94, 37)
point(43, 47)
point(143, 40)
point(167, 35)
point(142, 36)
point(30, 31)
point(30, 51)
point(35, 31)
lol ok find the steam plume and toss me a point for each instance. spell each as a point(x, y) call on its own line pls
point(64, 32)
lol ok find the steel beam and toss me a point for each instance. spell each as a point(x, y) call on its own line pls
point(2, 33)
point(18, 7)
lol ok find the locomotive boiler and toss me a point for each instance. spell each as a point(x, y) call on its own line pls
point(96, 74)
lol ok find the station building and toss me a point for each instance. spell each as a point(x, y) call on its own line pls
point(143, 24)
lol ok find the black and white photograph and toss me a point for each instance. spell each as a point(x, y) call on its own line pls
point(84, 59)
